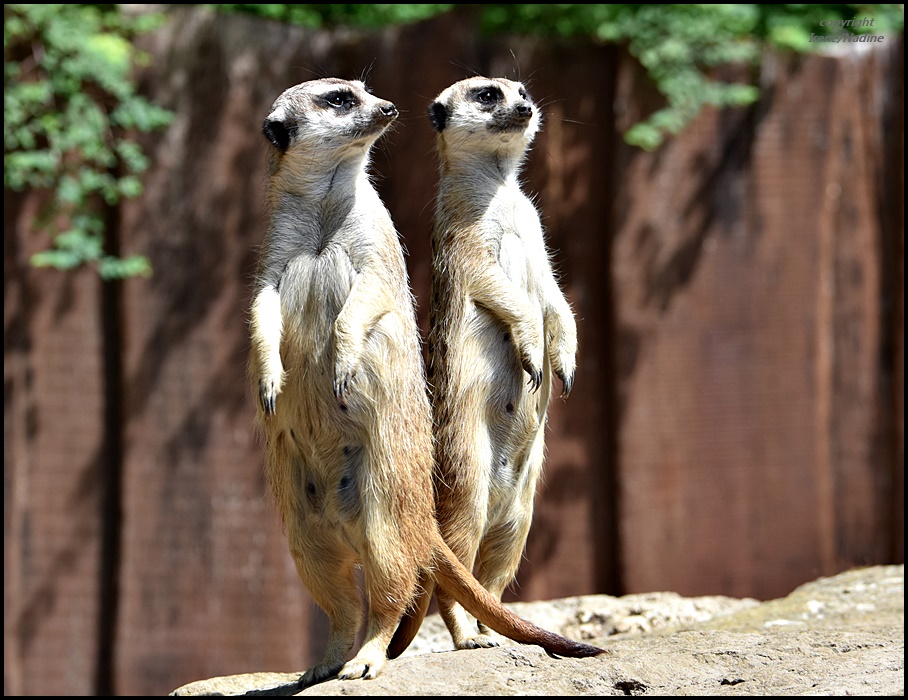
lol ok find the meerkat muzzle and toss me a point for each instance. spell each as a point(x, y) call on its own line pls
point(388, 112)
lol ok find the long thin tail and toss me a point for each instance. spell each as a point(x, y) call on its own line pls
point(453, 577)
point(412, 620)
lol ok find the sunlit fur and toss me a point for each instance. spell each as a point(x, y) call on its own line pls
point(500, 326)
point(335, 359)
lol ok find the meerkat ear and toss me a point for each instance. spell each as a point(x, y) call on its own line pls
point(277, 133)
point(438, 115)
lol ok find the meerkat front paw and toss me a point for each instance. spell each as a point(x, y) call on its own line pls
point(563, 366)
point(344, 372)
point(562, 350)
point(269, 388)
point(342, 380)
point(567, 382)
point(535, 372)
point(530, 349)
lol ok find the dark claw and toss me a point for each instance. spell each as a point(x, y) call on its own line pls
point(535, 380)
point(267, 397)
point(567, 383)
point(535, 373)
point(340, 391)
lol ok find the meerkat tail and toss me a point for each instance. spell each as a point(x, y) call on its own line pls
point(453, 577)
point(411, 621)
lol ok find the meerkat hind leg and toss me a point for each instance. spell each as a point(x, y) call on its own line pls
point(390, 589)
point(499, 558)
point(462, 630)
point(333, 586)
point(504, 542)
point(463, 534)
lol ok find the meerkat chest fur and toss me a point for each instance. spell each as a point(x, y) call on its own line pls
point(509, 230)
point(327, 243)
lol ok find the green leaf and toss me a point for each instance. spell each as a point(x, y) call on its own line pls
point(111, 51)
point(119, 268)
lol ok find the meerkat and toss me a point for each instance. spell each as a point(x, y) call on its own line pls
point(499, 327)
point(336, 361)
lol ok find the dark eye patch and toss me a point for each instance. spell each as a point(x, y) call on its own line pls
point(488, 95)
point(340, 99)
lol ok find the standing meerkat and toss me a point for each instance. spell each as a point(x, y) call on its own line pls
point(500, 326)
point(335, 359)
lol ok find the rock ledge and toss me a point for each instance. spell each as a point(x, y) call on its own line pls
point(841, 635)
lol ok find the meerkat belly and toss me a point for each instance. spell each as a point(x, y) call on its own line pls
point(511, 414)
point(324, 446)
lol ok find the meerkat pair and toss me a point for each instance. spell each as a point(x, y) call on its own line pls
point(336, 363)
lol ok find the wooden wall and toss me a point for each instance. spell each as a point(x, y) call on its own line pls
point(736, 424)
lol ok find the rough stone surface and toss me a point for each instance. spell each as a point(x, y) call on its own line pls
point(841, 635)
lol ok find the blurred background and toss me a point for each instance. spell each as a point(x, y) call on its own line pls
point(723, 193)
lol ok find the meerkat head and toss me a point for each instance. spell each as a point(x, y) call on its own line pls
point(327, 119)
point(485, 114)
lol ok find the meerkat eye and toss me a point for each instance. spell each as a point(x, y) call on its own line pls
point(488, 95)
point(340, 100)
point(523, 94)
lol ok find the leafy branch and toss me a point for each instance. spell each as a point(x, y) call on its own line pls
point(70, 106)
point(680, 45)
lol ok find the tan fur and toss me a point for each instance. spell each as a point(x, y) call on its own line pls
point(500, 326)
point(336, 362)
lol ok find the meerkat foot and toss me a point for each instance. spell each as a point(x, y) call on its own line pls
point(319, 673)
point(365, 667)
point(477, 641)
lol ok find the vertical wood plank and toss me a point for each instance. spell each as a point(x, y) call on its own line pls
point(53, 449)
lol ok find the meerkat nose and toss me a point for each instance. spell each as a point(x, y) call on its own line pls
point(524, 109)
point(389, 110)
